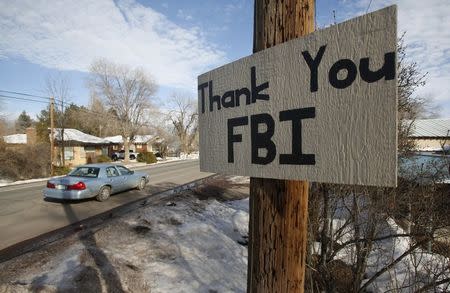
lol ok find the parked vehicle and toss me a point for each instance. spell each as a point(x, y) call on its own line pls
point(120, 155)
point(95, 180)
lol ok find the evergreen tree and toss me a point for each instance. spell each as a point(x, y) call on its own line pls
point(23, 122)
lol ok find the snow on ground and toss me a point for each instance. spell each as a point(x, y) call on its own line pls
point(240, 179)
point(178, 244)
point(5, 182)
point(419, 267)
point(15, 138)
point(191, 243)
point(408, 275)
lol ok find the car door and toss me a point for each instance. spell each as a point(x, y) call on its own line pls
point(127, 177)
point(114, 179)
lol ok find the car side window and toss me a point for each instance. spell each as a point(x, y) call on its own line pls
point(123, 170)
point(111, 172)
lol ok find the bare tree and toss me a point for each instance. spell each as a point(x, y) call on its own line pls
point(184, 118)
point(57, 86)
point(126, 92)
point(361, 235)
point(166, 140)
point(410, 106)
point(99, 119)
point(4, 126)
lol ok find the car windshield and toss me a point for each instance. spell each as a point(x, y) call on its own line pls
point(85, 172)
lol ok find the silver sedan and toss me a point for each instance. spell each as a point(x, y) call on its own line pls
point(95, 180)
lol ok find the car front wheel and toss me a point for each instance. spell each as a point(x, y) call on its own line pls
point(142, 184)
point(104, 193)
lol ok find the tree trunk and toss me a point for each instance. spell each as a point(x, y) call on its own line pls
point(126, 145)
point(278, 208)
point(63, 147)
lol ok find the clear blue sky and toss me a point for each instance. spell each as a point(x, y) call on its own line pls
point(174, 41)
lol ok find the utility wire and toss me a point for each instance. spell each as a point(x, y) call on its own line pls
point(29, 95)
point(23, 99)
point(62, 104)
point(57, 102)
point(368, 6)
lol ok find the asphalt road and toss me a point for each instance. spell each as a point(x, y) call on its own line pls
point(25, 214)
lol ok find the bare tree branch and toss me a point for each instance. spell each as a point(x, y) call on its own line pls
point(127, 92)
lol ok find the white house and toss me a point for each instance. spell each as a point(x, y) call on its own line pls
point(430, 134)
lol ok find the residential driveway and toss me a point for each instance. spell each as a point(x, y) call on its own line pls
point(25, 214)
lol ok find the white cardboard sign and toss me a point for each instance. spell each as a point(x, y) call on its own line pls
point(320, 108)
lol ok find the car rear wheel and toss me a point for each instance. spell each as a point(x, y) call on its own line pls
point(142, 184)
point(104, 193)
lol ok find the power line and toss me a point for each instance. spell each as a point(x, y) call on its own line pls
point(23, 99)
point(368, 6)
point(29, 95)
point(63, 104)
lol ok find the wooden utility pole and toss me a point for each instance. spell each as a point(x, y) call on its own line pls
point(52, 128)
point(278, 208)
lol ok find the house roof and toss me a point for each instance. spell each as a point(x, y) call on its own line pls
point(114, 139)
point(71, 134)
point(430, 128)
point(143, 138)
point(137, 138)
point(15, 138)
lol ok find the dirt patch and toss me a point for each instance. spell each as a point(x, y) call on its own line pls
point(222, 188)
point(141, 230)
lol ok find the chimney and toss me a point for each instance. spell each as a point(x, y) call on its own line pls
point(31, 135)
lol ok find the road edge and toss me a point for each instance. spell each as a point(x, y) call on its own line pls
point(42, 240)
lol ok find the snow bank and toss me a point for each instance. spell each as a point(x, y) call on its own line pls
point(411, 272)
point(202, 253)
point(181, 245)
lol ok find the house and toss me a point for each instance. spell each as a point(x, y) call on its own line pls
point(79, 147)
point(19, 140)
point(140, 143)
point(430, 134)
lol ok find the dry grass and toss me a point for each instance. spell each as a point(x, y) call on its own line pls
point(222, 189)
point(27, 162)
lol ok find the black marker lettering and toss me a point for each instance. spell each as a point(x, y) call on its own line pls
point(202, 89)
point(212, 98)
point(387, 70)
point(232, 138)
point(297, 157)
point(256, 89)
point(230, 102)
point(313, 65)
point(338, 66)
point(243, 91)
point(262, 140)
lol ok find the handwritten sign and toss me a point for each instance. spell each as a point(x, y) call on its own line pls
point(321, 108)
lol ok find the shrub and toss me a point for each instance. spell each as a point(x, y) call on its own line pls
point(103, 159)
point(61, 170)
point(146, 157)
point(25, 162)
